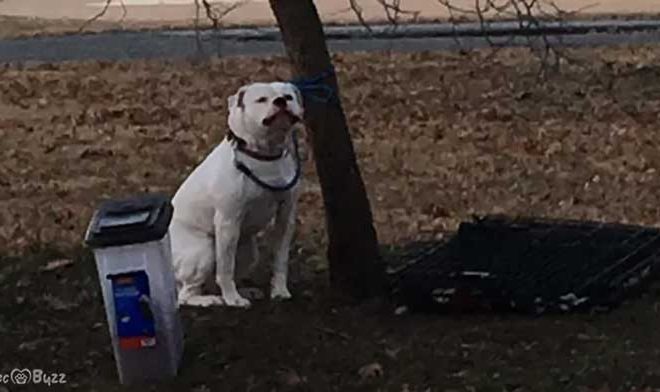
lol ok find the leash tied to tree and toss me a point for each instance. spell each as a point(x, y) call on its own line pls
point(315, 89)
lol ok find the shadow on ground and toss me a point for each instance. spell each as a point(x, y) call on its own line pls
point(55, 321)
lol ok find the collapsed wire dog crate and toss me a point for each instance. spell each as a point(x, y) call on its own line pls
point(529, 265)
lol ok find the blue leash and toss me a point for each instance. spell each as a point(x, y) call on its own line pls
point(308, 87)
point(274, 188)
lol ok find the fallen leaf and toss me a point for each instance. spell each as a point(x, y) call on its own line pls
point(30, 346)
point(392, 353)
point(291, 378)
point(400, 310)
point(56, 264)
point(23, 282)
point(333, 332)
point(604, 388)
point(372, 370)
point(58, 304)
point(647, 389)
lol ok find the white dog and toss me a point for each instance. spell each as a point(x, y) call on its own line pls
point(249, 180)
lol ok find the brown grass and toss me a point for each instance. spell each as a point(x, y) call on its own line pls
point(439, 137)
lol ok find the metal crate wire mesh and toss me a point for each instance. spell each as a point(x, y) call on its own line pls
point(531, 265)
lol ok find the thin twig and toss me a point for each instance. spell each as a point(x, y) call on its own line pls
point(215, 15)
point(393, 12)
point(529, 15)
point(198, 35)
point(332, 332)
point(102, 13)
point(124, 11)
point(457, 41)
point(357, 10)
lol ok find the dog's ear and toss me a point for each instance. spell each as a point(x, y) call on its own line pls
point(236, 100)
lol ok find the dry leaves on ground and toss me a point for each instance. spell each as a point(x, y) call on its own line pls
point(438, 136)
point(372, 370)
point(56, 264)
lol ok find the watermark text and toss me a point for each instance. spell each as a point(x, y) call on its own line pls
point(32, 376)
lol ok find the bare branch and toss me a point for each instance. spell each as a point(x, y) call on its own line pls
point(102, 13)
point(393, 12)
point(529, 15)
point(198, 37)
point(357, 10)
point(455, 9)
point(124, 10)
point(563, 13)
point(217, 13)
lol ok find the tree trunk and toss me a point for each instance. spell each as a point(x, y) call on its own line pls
point(355, 264)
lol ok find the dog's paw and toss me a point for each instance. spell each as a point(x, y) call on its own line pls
point(280, 293)
point(203, 301)
point(236, 301)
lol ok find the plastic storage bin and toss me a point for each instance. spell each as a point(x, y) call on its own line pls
point(134, 260)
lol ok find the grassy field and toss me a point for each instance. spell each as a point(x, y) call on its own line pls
point(439, 137)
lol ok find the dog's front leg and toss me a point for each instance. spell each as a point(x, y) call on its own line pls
point(227, 233)
point(285, 223)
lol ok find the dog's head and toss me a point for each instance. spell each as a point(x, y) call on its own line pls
point(265, 111)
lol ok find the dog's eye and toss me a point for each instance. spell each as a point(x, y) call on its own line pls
point(288, 97)
point(262, 100)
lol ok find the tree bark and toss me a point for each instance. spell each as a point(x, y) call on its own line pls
point(353, 255)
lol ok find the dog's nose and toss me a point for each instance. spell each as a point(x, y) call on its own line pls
point(280, 102)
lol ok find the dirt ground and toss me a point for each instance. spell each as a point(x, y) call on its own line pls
point(438, 136)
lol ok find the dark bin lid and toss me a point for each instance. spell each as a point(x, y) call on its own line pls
point(133, 220)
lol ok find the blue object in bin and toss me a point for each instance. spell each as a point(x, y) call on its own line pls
point(135, 321)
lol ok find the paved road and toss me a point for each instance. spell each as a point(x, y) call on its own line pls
point(258, 11)
point(182, 44)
